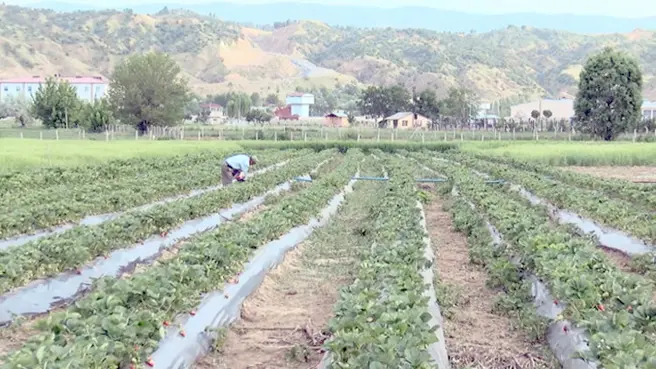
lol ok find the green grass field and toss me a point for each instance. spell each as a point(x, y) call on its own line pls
point(26, 153)
point(578, 153)
point(21, 154)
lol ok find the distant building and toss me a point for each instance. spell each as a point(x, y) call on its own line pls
point(648, 109)
point(214, 111)
point(406, 120)
point(337, 119)
point(300, 104)
point(560, 109)
point(87, 88)
point(285, 113)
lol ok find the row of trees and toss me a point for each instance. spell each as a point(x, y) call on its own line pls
point(460, 104)
point(147, 90)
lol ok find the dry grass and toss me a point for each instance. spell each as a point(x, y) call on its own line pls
point(475, 336)
point(635, 174)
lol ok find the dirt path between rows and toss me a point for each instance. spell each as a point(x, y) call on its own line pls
point(283, 324)
point(475, 336)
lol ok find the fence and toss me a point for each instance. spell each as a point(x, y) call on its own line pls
point(301, 133)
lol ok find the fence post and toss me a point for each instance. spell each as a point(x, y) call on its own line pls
point(462, 136)
point(423, 137)
point(21, 136)
point(304, 136)
point(136, 134)
point(84, 134)
point(257, 135)
point(106, 135)
point(635, 134)
point(57, 134)
point(378, 137)
point(291, 136)
point(182, 133)
point(40, 135)
point(199, 135)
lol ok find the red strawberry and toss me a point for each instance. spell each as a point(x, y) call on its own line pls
point(166, 323)
point(150, 362)
point(163, 234)
point(136, 348)
point(601, 307)
point(78, 271)
point(629, 308)
point(565, 329)
point(192, 313)
point(555, 302)
point(183, 334)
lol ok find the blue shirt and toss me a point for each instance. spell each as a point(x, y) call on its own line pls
point(240, 162)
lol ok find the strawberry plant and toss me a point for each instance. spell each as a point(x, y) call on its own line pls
point(103, 328)
point(598, 296)
point(27, 211)
point(381, 320)
point(80, 245)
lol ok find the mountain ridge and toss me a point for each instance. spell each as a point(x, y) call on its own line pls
point(368, 16)
point(218, 56)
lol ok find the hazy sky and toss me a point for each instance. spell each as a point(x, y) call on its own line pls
point(624, 8)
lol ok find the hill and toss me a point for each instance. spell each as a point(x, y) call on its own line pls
point(398, 17)
point(218, 55)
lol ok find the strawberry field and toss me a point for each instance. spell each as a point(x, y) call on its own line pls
point(329, 255)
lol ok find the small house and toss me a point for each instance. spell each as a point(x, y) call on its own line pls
point(337, 119)
point(406, 120)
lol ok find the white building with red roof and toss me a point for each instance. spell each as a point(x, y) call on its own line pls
point(88, 88)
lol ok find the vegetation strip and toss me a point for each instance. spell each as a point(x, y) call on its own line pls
point(639, 194)
point(612, 212)
point(75, 248)
point(296, 299)
point(616, 308)
point(540, 316)
point(37, 210)
point(101, 218)
point(41, 296)
point(382, 319)
point(122, 321)
point(217, 311)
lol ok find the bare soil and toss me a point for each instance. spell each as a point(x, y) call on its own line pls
point(635, 174)
point(283, 324)
point(475, 336)
point(621, 260)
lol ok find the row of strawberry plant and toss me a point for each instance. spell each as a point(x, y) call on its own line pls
point(36, 209)
point(616, 308)
point(78, 246)
point(611, 212)
point(381, 320)
point(32, 179)
point(122, 321)
point(204, 164)
point(639, 194)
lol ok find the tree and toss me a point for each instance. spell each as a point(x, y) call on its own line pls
point(272, 99)
point(547, 114)
point(535, 114)
point(258, 116)
point(609, 98)
point(256, 100)
point(18, 108)
point(96, 116)
point(56, 104)
point(427, 104)
point(460, 104)
point(380, 102)
point(146, 90)
point(238, 105)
